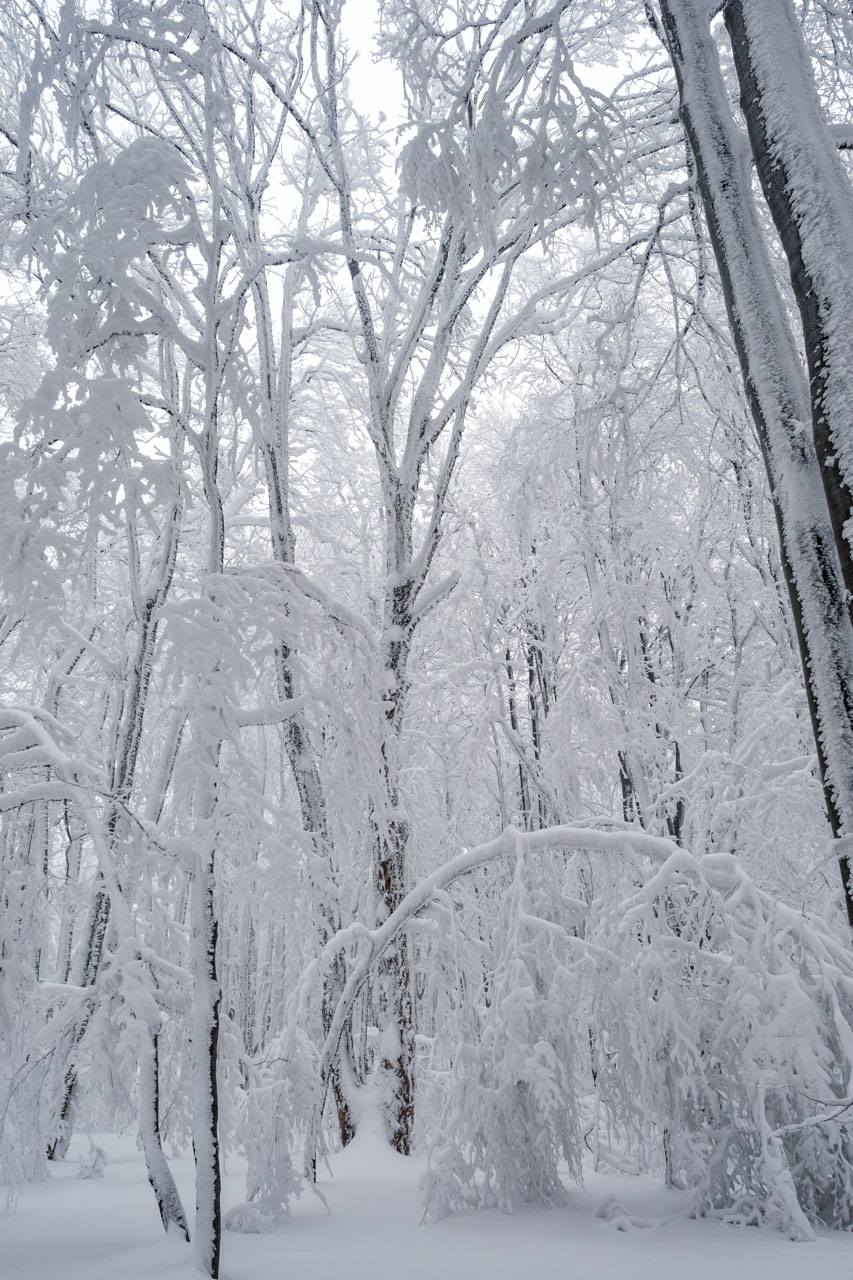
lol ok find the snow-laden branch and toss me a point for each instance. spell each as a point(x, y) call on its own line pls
point(336, 609)
point(272, 714)
point(429, 600)
point(510, 843)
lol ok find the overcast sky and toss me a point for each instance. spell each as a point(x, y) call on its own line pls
point(375, 86)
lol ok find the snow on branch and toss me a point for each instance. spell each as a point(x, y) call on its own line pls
point(717, 1017)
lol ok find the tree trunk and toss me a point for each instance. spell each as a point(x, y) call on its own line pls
point(134, 702)
point(205, 1040)
point(312, 805)
point(159, 1174)
point(523, 790)
point(98, 922)
point(204, 1024)
point(778, 398)
point(397, 1046)
point(811, 203)
point(274, 442)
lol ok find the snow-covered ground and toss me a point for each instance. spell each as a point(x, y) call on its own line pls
point(73, 1229)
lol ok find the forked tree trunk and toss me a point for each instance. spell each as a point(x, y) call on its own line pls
point(124, 769)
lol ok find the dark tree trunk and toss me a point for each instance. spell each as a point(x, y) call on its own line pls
point(205, 1038)
point(97, 932)
point(312, 805)
point(397, 1047)
point(778, 398)
point(811, 203)
point(523, 788)
point(297, 740)
point(169, 1204)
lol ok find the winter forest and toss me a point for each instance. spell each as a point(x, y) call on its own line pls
point(426, 638)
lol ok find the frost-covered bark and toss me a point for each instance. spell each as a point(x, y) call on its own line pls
point(207, 994)
point(811, 202)
point(205, 1044)
point(272, 431)
point(159, 1174)
point(205, 817)
point(148, 601)
point(149, 587)
point(779, 400)
point(427, 325)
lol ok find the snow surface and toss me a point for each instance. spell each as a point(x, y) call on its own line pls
point(73, 1229)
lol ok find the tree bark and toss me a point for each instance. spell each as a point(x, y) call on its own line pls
point(779, 401)
point(523, 790)
point(159, 1174)
point(274, 442)
point(205, 1041)
point(397, 1047)
point(811, 203)
point(123, 772)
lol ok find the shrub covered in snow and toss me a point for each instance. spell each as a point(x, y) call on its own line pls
point(711, 1025)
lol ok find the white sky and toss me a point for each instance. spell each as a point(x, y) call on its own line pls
point(375, 86)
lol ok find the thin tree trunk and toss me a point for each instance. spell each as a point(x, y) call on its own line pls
point(65, 942)
point(635, 801)
point(96, 934)
point(274, 442)
point(523, 790)
point(124, 769)
point(159, 1174)
point(205, 1041)
point(312, 804)
point(111, 903)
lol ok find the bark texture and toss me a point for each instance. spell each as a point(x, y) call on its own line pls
point(811, 203)
point(779, 401)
